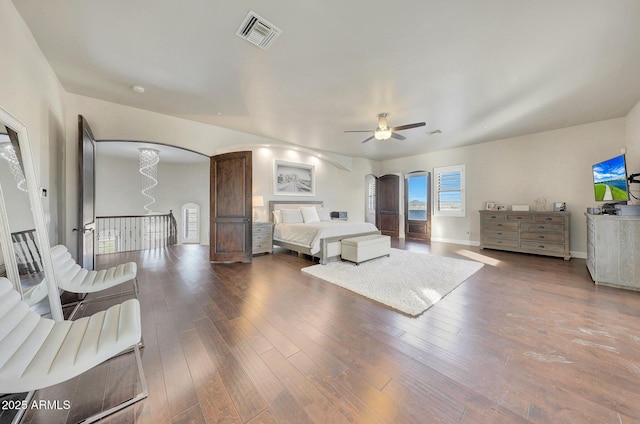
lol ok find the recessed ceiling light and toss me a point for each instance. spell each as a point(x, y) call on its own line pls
point(219, 113)
point(138, 89)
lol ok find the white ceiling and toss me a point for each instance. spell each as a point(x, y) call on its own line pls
point(478, 70)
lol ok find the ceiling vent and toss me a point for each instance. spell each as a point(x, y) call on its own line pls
point(257, 30)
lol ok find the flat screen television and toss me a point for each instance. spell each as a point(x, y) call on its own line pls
point(610, 182)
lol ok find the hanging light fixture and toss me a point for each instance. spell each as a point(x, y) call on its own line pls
point(8, 153)
point(149, 159)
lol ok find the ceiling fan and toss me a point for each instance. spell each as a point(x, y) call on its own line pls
point(383, 132)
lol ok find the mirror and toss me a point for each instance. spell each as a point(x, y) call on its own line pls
point(24, 240)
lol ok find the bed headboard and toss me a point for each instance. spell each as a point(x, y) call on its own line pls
point(275, 205)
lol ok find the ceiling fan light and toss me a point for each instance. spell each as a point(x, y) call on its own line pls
point(381, 134)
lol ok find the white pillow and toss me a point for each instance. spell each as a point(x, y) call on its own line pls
point(291, 216)
point(310, 214)
point(277, 217)
point(324, 214)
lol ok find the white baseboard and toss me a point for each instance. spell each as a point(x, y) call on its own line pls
point(579, 255)
point(453, 241)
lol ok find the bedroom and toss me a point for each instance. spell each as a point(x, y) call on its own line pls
point(554, 164)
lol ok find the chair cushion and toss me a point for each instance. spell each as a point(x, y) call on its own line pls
point(75, 279)
point(37, 352)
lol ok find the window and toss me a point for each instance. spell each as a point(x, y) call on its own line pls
point(417, 196)
point(449, 189)
point(191, 223)
point(371, 196)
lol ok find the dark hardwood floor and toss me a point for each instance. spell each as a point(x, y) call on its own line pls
point(525, 339)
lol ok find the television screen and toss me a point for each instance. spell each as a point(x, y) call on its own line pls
point(610, 180)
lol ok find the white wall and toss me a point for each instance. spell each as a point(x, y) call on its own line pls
point(118, 185)
point(632, 136)
point(31, 92)
point(338, 188)
point(555, 165)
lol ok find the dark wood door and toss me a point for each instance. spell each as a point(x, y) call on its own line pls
point(417, 206)
point(231, 207)
point(86, 194)
point(388, 208)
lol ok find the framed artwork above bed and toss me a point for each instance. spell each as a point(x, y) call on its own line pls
point(293, 179)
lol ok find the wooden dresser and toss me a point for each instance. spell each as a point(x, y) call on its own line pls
point(262, 239)
point(540, 233)
point(612, 250)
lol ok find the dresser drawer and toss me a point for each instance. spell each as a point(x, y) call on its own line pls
point(542, 246)
point(500, 234)
point(261, 240)
point(519, 217)
point(261, 230)
point(542, 227)
point(542, 236)
point(495, 242)
point(262, 248)
point(549, 218)
point(494, 217)
point(501, 226)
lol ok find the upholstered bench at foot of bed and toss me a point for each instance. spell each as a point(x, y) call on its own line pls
point(364, 248)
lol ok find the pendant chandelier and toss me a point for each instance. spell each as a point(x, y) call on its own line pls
point(149, 159)
point(8, 153)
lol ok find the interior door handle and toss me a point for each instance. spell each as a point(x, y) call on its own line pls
point(84, 230)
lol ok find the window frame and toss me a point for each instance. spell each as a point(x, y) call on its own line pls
point(437, 173)
point(371, 196)
point(184, 227)
point(428, 194)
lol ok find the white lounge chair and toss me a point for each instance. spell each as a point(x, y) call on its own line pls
point(73, 278)
point(37, 352)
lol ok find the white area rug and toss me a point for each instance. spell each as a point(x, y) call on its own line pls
point(410, 282)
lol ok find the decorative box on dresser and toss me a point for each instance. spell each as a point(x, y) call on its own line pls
point(540, 233)
point(613, 246)
point(262, 239)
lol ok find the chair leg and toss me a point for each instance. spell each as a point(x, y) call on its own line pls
point(136, 290)
point(18, 417)
point(75, 310)
point(143, 394)
point(84, 300)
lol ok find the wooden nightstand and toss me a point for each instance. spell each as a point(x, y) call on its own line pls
point(262, 240)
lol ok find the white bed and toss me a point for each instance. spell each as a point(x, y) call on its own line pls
point(320, 239)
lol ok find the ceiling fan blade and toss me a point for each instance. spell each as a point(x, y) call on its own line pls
point(367, 139)
point(408, 126)
point(398, 136)
point(360, 131)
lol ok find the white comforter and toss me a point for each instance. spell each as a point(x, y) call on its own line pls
point(310, 234)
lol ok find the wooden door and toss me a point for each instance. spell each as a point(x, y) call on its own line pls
point(417, 206)
point(231, 207)
point(86, 194)
point(387, 210)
